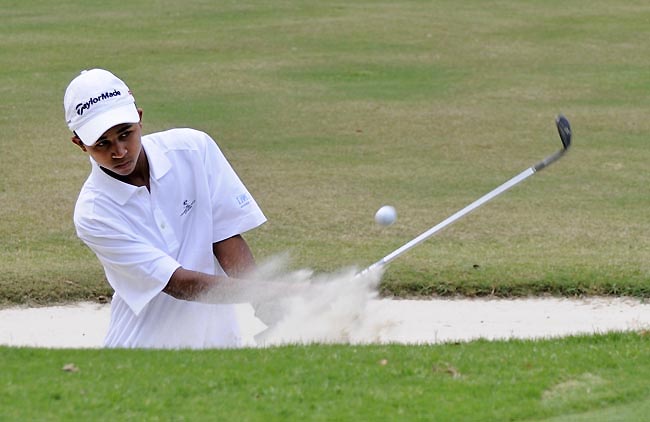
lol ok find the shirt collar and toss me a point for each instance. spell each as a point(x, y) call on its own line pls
point(159, 164)
point(119, 191)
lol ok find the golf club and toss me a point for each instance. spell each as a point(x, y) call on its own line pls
point(564, 129)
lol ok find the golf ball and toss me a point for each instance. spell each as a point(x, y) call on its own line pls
point(386, 215)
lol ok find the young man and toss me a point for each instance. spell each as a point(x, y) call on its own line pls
point(157, 210)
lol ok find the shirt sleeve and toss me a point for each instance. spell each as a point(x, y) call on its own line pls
point(235, 211)
point(137, 271)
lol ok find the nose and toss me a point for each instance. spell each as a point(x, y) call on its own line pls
point(120, 151)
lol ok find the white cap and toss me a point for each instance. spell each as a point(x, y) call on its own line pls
point(95, 101)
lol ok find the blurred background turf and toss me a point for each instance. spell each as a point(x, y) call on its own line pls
point(328, 110)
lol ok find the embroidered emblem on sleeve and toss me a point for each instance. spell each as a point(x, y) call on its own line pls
point(243, 200)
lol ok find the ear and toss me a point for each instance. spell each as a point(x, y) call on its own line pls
point(75, 140)
point(140, 114)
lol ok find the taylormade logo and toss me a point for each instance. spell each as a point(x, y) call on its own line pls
point(82, 107)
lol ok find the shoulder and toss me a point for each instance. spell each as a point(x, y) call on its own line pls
point(179, 139)
point(92, 206)
point(86, 200)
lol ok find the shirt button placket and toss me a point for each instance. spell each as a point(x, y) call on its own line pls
point(165, 229)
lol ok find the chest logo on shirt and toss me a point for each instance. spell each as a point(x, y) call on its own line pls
point(187, 206)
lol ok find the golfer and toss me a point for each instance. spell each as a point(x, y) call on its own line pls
point(157, 210)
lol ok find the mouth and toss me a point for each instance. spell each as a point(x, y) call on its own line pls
point(122, 166)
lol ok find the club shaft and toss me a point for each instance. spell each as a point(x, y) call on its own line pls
point(449, 220)
point(564, 129)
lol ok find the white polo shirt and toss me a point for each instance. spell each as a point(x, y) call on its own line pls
point(142, 237)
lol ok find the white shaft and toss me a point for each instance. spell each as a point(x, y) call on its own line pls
point(471, 207)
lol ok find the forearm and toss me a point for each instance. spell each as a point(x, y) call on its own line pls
point(234, 256)
point(206, 288)
point(235, 259)
point(190, 285)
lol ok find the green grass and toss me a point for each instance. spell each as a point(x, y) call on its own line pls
point(330, 110)
point(600, 378)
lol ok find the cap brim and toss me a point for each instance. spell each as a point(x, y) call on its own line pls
point(91, 131)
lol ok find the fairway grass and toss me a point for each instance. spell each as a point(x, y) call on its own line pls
point(330, 110)
point(580, 378)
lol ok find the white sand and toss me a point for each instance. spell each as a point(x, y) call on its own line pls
point(83, 325)
point(80, 325)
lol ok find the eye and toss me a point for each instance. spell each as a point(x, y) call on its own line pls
point(125, 134)
point(101, 144)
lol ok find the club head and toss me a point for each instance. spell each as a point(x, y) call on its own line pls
point(564, 129)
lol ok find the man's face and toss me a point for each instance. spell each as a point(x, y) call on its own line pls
point(117, 149)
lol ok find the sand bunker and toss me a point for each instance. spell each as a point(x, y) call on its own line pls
point(300, 307)
point(83, 325)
